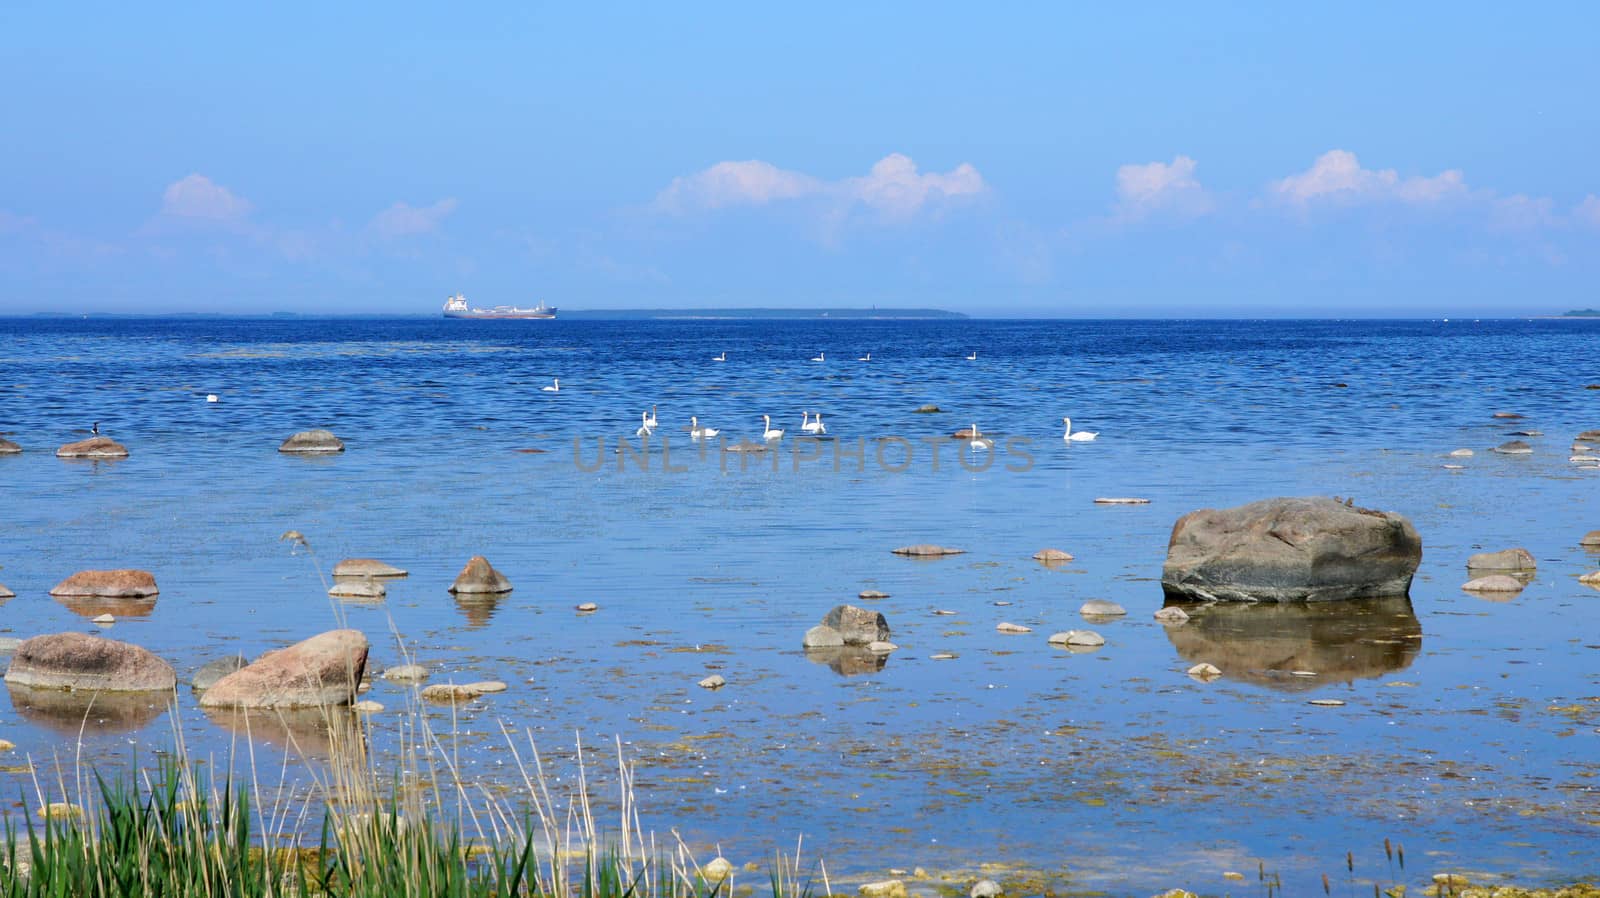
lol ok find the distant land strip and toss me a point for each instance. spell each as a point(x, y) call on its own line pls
point(752, 313)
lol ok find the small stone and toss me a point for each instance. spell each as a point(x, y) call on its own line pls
point(881, 647)
point(312, 442)
point(105, 619)
point(1008, 627)
point(943, 611)
point(7, 745)
point(1590, 579)
point(928, 409)
point(406, 673)
point(1506, 560)
point(715, 681)
point(1236, 877)
point(364, 588)
point(942, 656)
point(926, 550)
point(1461, 453)
point(587, 607)
point(1101, 608)
point(872, 594)
point(6, 593)
point(888, 888)
point(367, 706)
point(9, 448)
point(458, 692)
point(480, 578)
point(366, 567)
point(94, 447)
point(1000, 603)
point(1204, 672)
point(1121, 500)
point(1326, 702)
point(717, 869)
point(1450, 880)
point(1509, 416)
point(1172, 614)
point(985, 888)
point(1454, 467)
point(1049, 555)
point(1526, 433)
point(1513, 447)
point(485, 686)
point(1078, 638)
point(822, 637)
point(1591, 540)
point(1494, 583)
point(59, 810)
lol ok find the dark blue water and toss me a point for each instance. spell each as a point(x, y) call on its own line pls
point(1471, 729)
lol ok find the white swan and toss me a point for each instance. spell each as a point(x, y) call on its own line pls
point(555, 386)
point(212, 397)
point(865, 358)
point(720, 358)
point(821, 357)
point(650, 419)
point(973, 357)
point(812, 426)
point(696, 432)
point(768, 433)
point(979, 441)
point(644, 428)
point(1082, 436)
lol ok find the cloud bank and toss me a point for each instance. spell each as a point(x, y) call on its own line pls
point(894, 188)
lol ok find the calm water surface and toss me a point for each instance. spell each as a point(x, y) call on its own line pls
point(1471, 729)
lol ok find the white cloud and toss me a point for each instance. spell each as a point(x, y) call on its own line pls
point(1588, 211)
point(405, 220)
point(893, 187)
point(1521, 212)
point(1337, 177)
point(1161, 187)
point(197, 198)
point(748, 183)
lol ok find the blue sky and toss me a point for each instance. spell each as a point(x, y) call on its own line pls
point(1031, 159)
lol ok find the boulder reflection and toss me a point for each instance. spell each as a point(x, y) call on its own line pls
point(478, 608)
point(69, 712)
point(313, 733)
point(1266, 643)
point(848, 661)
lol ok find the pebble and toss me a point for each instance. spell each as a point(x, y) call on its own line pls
point(927, 551)
point(717, 869)
point(1172, 614)
point(453, 692)
point(1050, 555)
point(1008, 627)
point(943, 656)
point(1493, 583)
point(1590, 579)
point(985, 888)
point(1461, 453)
point(7, 745)
point(363, 588)
point(58, 810)
point(588, 607)
point(1591, 540)
point(870, 594)
point(367, 707)
point(1085, 638)
point(1233, 875)
point(104, 619)
point(1121, 500)
point(715, 681)
point(945, 611)
point(487, 686)
point(1101, 608)
point(888, 888)
point(406, 673)
point(1326, 702)
point(928, 410)
point(1454, 467)
point(1302, 673)
point(881, 647)
point(1204, 672)
point(1513, 447)
point(1001, 603)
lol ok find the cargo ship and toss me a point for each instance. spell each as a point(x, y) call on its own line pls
point(456, 307)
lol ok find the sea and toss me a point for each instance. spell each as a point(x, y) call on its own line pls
point(1463, 728)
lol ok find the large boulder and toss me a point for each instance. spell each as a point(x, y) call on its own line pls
point(94, 447)
point(480, 578)
point(1291, 549)
point(311, 441)
point(124, 583)
point(320, 671)
point(81, 662)
point(1505, 560)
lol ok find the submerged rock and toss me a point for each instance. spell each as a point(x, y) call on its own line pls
point(1047, 556)
point(1290, 549)
point(8, 448)
point(312, 441)
point(929, 409)
point(320, 671)
point(76, 661)
point(1518, 559)
point(888, 888)
point(125, 583)
point(480, 578)
point(461, 692)
point(715, 681)
point(362, 588)
point(1461, 453)
point(1101, 608)
point(406, 673)
point(94, 447)
point(1080, 638)
point(1205, 672)
point(926, 550)
point(1172, 614)
point(1009, 627)
point(212, 671)
point(1494, 583)
point(1513, 447)
point(366, 567)
point(872, 595)
point(1591, 540)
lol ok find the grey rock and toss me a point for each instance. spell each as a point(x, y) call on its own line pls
point(925, 550)
point(366, 567)
point(928, 409)
point(1101, 608)
point(1172, 614)
point(480, 578)
point(8, 448)
point(357, 588)
point(1513, 447)
point(80, 662)
point(985, 888)
point(857, 626)
point(406, 673)
point(1493, 583)
point(212, 671)
point(1518, 559)
point(822, 637)
point(312, 441)
point(715, 681)
point(1290, 549)
point(1081, 638)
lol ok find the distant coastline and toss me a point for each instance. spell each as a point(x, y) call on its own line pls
point(1582, 313)
point(868, 314)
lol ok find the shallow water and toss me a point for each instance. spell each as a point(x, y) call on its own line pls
point(1471, 729)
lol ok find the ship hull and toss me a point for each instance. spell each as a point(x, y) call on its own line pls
point(519, 314)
